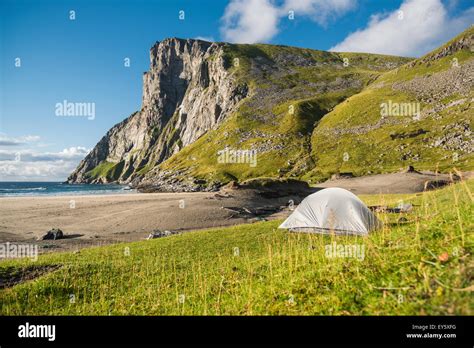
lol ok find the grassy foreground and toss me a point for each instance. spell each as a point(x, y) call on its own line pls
point(421, 267)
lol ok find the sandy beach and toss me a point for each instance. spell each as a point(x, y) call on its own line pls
point(402, 182)
point(93, 220)
point(102, 219)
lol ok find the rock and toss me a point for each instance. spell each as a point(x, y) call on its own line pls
point(410, 169)
point(256, 219)
point(412, 134)
point(405, 207)
point(401, 208)
point(435, 184)
point(49, 246)
point(283, 170)
point(239, 211)
point(456, 137)
point(53, 234)
point(233, 185)
point(160, 234)
point(192, 87)
point(440, 85)
point(222, 195)
point(379, 208)
point(338, 176)
point(204, 93)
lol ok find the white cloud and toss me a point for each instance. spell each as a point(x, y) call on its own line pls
point(16, 141)
point(42, 171)
point(414, 29)
point(205, 38)
point(74, 151)
point(251, 21)
point(320, 11)
point(30, 165)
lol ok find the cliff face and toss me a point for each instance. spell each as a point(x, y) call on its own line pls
point(302, 112)
point(186, 92)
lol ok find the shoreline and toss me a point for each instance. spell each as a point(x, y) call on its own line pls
point(96, 220)
point(100, 219)
point(99, 195)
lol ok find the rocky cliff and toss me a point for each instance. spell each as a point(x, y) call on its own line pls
point(187, 91)
point(288, 112)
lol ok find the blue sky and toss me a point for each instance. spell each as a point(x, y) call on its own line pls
point(82, 60)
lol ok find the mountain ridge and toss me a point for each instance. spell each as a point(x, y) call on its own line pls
point(200, 98)
point(179, 70)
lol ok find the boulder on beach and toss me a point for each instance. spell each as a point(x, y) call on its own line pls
point(159, 234)
point(410, 169)
point(53, 234)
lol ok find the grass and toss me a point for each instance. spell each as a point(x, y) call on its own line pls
point(306, 109)
point(310, 141)
point(108, 170)
point(285, 125)
point(257, 269)
point(378, 150)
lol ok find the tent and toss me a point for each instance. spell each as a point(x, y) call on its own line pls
point(332, 210)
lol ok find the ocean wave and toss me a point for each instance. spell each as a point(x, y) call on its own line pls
point(22, 189)
point(57, 189)
point(64, 193)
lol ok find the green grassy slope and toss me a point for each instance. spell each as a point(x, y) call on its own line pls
point(312, 114)
point(375, 145)
point(257, 269)
point(291, 89)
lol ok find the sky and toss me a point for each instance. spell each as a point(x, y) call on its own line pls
point(95, 52)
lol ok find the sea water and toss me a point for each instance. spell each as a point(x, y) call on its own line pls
point(9, 189)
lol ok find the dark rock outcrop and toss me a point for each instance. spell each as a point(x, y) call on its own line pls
point(53, 234)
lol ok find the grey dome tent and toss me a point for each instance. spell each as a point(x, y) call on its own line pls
point(332, 210)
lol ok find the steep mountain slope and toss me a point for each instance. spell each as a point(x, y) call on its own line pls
point(305, 114)
point(357, 136)
point(289, 90)
point(186, 92)
point(195, 86)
